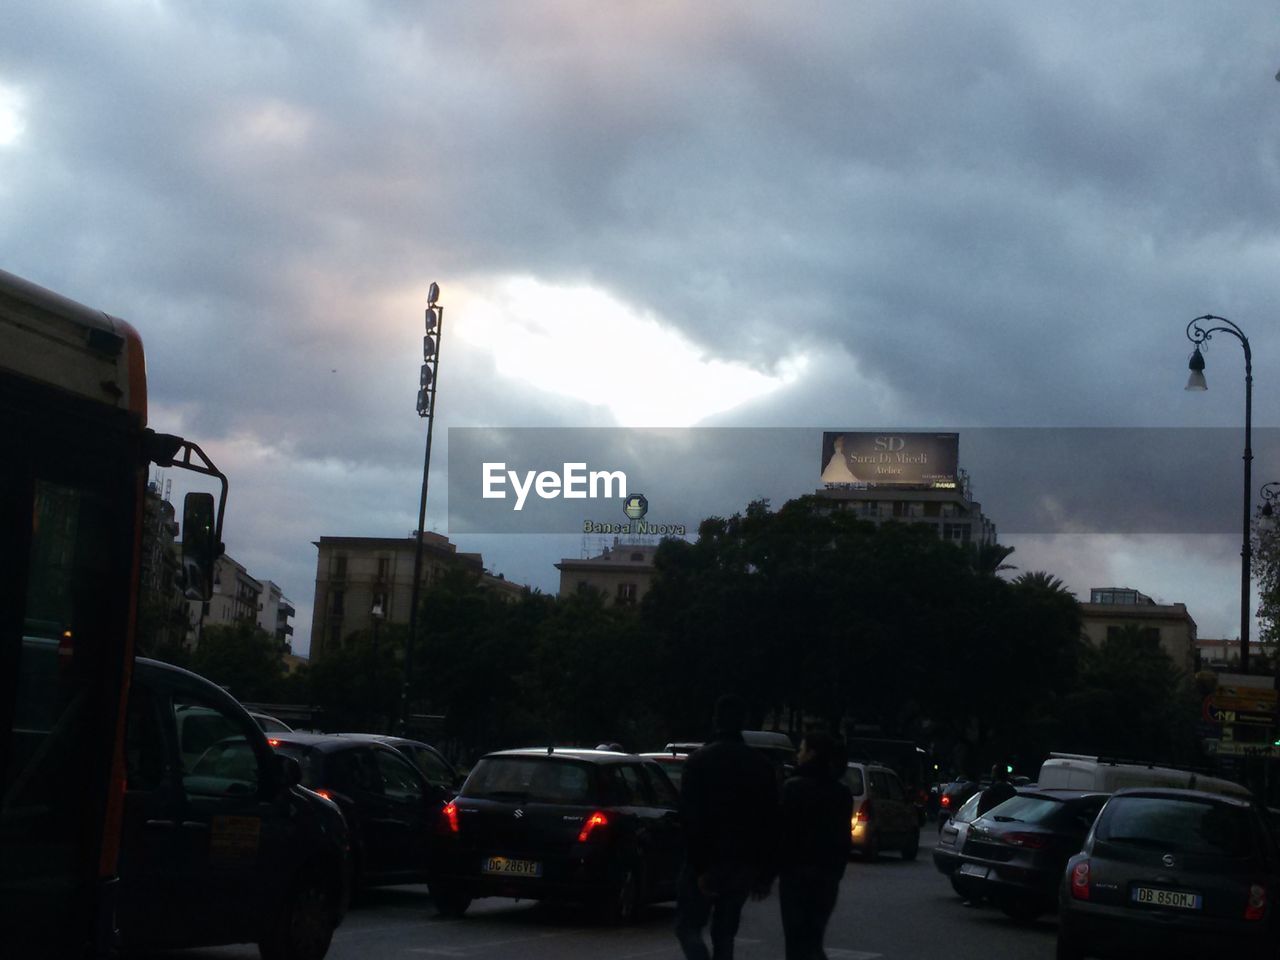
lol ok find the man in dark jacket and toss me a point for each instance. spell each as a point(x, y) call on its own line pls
point(729, 808)
point(817, 809)
point(999, 791)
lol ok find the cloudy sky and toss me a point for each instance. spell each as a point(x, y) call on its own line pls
point(887, 214)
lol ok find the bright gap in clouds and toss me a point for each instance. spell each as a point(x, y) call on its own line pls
point(580, 342)
point(12, 124)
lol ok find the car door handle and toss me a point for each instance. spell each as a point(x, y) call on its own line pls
point(194, 825)
point(162, 824)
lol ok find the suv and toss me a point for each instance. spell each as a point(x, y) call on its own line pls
point(884, 817)
point(541, 824)
point(219, 843)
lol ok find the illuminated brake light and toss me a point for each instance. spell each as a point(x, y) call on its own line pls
point(326, 794)
point(1080, 880)
point(276, 743)
point(945, 801)
point(449, 818)
point(597, 819)
point(1257, 907)
point(1032, 841)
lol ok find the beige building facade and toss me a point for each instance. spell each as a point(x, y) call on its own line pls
point(621, 572)
point(364, 583)
point(1111, 609)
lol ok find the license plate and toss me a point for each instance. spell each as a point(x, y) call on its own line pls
point(973, 870)
point(506, 867)
point(1168, 898)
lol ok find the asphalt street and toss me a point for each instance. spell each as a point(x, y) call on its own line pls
point(890, 909)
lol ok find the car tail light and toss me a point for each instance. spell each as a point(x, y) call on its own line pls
point(276, 743)
point(326, 794)
point(945, 801)
point(863, 814)
point(1257, 907)
point(1032, 841)
point(1080, 880)
point(594, 821)
point(448, 823)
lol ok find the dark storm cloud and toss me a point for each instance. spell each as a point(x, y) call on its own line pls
point(1002, 215)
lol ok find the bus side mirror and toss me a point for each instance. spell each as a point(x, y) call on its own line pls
point(199, 546)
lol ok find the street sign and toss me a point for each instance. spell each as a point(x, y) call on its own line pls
point(1236, 749)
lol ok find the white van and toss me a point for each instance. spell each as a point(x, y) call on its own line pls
point(1073, 771)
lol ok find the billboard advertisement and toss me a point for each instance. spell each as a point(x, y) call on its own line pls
point(884, 459)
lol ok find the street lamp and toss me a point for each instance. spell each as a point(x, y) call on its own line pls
point(428, 384)
point(1201, 330)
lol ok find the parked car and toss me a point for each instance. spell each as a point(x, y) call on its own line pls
point(884, 817)
point(672, 764)
point(391, 809)
point(946, 854)
point(1168, 872)
point(1073, 771)
point(1014, 854)
point(953, 795)
point(219, 843)
point(270, 724)
point(591, 826)
point(431, 763)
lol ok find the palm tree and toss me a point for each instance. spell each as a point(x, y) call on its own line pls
point(988, 559)
point(1041, 580)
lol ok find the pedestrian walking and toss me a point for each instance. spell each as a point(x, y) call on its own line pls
point(999, 791)
point(817, 809)
point(729, 808)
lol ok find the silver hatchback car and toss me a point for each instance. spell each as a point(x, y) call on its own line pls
point(884, 818)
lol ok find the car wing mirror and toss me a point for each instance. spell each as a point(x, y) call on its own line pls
point(288, 771)
point(199, 546)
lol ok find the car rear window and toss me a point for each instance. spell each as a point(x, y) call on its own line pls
point(537, 779)
point(1181, 825)
point(1029, 809)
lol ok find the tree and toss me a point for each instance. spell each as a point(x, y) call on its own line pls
point(242, 657)
point(356, 687)
point(1132, 701)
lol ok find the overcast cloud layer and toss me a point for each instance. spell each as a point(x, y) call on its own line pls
point(660, 214)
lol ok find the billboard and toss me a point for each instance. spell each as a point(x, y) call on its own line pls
point(891, 459)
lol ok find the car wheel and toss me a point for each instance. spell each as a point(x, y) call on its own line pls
point(1021, 909)
point(450, 902)
point(624, 904)
point(304, 927)
point(912, 849)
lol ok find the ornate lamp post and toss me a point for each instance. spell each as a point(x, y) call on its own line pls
point(428, 384)
point(1200, 330)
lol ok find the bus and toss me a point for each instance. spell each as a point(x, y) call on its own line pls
point(73, 416)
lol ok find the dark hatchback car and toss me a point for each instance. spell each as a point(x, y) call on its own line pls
point(431, 763)
point(219, 842)
point(1015, 853)
point(590, 826)
point(1173, 873)
point(391, 809)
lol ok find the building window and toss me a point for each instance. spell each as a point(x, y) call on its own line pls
point(626, 593)
point(337, 600)
point(384, 566)
point(340, 567)
point(637, 558)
